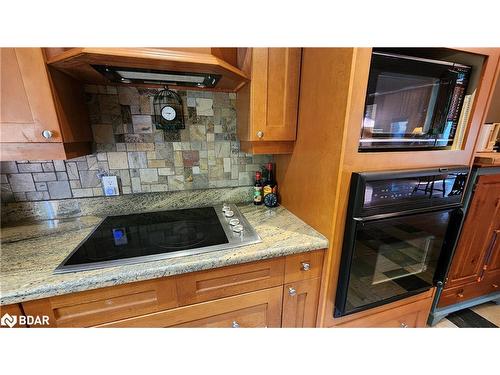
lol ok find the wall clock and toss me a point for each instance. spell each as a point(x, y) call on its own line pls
point(168, 110)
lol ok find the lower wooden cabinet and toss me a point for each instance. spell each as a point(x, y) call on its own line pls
point(475, 267)
point(250, 310)
point(244, 295)
point(412, 312)
point(300, 303)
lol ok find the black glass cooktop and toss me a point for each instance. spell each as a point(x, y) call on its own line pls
point(149, 234)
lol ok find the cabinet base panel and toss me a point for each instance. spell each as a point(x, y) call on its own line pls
point(43, 151)
point(440, 313)
point(267, 147)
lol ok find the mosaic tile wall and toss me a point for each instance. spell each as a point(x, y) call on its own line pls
point(205, 154)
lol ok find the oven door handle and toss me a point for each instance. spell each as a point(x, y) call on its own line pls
point(450, 240)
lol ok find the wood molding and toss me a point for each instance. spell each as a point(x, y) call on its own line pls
point(267, 147)
point(77, 62)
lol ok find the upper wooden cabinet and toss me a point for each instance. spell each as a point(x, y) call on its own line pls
point(267, 106)
point(43, 113)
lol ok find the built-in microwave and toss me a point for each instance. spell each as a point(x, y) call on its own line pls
point(412, 103)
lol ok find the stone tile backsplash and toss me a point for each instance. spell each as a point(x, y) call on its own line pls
point(205, 154)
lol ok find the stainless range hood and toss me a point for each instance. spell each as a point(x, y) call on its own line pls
point(210, 68)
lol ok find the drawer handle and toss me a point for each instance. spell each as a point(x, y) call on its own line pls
point(260, 134)
point(494, 285)
point(235, 324)
point(460, 295)
point(404, 325)
point(292, 291)
point(47, 134)
point(305, 266)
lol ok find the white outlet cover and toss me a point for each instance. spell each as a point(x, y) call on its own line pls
point(110, 185)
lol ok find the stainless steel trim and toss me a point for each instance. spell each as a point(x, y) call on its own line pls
point(441, 62)
point(247, 237)
point(389, 215)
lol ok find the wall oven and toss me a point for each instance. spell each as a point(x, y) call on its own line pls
point(412, 103)
point(400, 231)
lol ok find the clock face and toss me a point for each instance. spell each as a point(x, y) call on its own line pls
point(271, 200)
point(168, 113)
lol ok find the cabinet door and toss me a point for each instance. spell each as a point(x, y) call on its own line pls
point(255, 309)
point(478, 243)
point(27, 105)
point(267, 107)
point(300, 303)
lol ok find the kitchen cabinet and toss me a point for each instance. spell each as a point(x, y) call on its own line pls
point(267, 105)
point(475, 267)
point(243, 295)
point(300, 303)
point(258, 309)
point(301, 289)
point(43, 112)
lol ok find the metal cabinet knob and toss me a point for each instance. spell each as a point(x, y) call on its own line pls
point(460, 295)
point(306, 266)
point(292, 291)
point(404, 325)
point(235, 324)
point(260, 134)
point(494, 285)
point(47, 134)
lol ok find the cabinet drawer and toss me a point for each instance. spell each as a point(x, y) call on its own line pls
point(303, 266)
point(228, 281)
point(107, 304)
point(489, 284)
point(411, 315)
point(255, 309)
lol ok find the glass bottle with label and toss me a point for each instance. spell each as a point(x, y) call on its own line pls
point(257, 189)
point(270, 185)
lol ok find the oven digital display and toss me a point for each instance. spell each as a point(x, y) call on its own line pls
point(412, 190)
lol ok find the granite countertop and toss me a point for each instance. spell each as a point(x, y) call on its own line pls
point(30, 252)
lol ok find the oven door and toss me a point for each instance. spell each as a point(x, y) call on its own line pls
point(407, 104)
point(388, 259)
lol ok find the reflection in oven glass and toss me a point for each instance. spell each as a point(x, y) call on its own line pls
point(395, 256)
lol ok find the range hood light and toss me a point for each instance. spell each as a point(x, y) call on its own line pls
point(160, 76)
point(148, 76)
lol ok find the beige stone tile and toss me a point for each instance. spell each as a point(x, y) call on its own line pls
point(489, 311)
point(445, 323)
point(117, 160)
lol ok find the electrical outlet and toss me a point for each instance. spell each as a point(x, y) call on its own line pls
point(110, 185)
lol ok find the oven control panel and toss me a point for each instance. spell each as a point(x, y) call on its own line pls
point(416, 191)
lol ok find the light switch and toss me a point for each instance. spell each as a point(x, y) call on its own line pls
point(110, 185)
